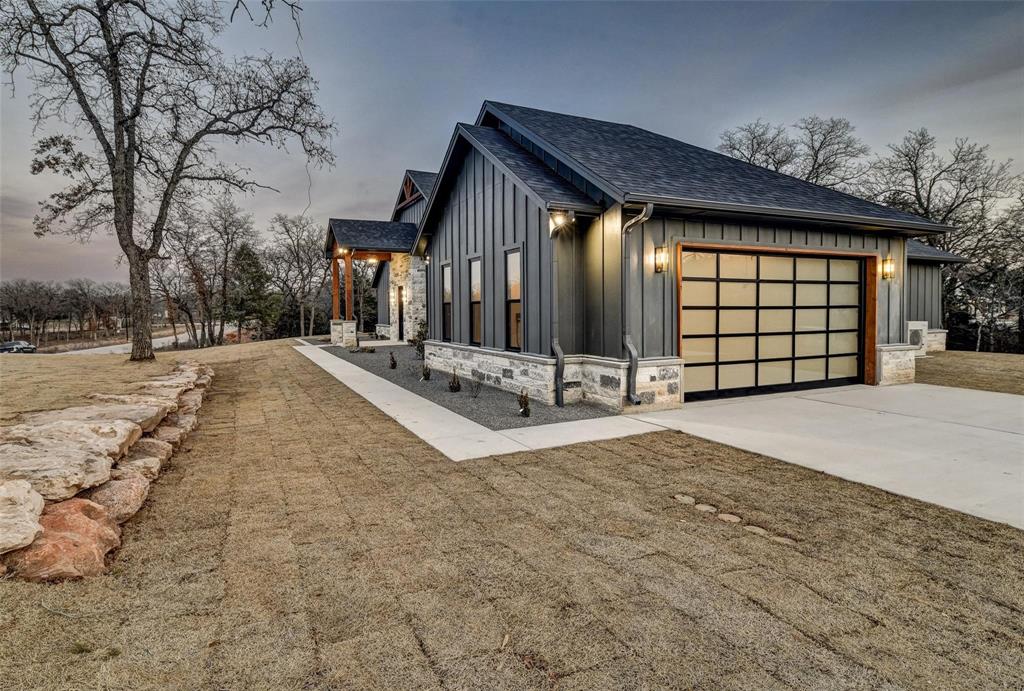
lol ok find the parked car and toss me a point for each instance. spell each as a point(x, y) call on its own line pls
point(17, 347)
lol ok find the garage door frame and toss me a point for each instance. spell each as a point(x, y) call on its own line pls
point(871, 259)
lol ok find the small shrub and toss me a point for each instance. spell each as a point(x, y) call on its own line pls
point(419, 338)
point(425, 375)
point(355, 350)
point(392, 362)
point(367, 349)
point(474, 387)
point(524, 403)
point(454, 385)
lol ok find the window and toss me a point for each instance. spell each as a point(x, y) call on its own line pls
point(446, 302)
point(513, 302)
point(474, 301)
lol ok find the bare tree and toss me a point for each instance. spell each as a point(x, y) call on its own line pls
point(824, 151)
point(153, 95)
point(297, 264)
point(760, 143)
point(828, 153)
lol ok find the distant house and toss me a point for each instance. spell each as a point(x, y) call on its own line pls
point(586, 260)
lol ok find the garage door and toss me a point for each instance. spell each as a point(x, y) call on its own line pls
point(752, 323)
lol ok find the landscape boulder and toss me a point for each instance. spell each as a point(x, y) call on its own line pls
point(122, 497)
point(190, 402)
point(170, 434)
point(77, 534)
point(145, 415)
point(57, 462)
point(187, 422)
point(157, 399)
point(20, 507)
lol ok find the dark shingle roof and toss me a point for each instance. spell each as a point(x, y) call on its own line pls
point(544, 182)
point(384, 236)
point(920, 251)
point(423, 180)
point(639, 165)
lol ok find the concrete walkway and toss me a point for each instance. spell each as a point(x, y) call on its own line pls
point(455, 436)
point(959, 448)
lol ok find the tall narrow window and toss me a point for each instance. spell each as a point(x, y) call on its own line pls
point(474, 301)
point(446, 303)
point(513, 301)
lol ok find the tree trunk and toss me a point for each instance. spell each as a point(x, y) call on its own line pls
point(142, 301)
point(312, 317)
point(302, 317)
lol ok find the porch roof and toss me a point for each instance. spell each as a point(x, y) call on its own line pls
point(374, 236)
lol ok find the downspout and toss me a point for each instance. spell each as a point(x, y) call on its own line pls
point(556, 348)
point(627, 339)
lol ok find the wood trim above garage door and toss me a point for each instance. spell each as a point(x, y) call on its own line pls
point(871, 264)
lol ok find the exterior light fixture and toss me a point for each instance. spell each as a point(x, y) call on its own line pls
point(660, 259)
point(889, 268)
point(372, 260)
point(559, 220)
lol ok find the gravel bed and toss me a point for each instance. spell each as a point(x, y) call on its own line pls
point(493, 408)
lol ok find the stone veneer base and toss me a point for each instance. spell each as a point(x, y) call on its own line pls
point(586, 378)
point(896, 364)
point(936, 341)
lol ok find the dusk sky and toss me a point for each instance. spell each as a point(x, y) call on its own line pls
point(397, 77)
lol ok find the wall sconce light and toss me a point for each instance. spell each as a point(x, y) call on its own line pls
point(372, 260)
point(559, 220)
point(888, 268)
point(660, 259)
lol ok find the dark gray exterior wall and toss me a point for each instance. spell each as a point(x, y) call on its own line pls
point(413, 213)
point(652, 297)
point(485, 215)
point(600, 292)
point(383, 301)
point(924, 293)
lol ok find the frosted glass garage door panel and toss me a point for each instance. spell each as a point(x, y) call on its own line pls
point(775, 347)
point(775, 320)
point(809, 370)
point(777, 268)
point(698, 322)
point(698, 378)
point(699, 265)
point(696, 350)
point(699, 294)
point(775, 373)
point(776, 294)
point(844, 318)
point(811, 269)
point(844, 270)
point(736, 348)
point(842, 367)
point(737, 294)
point(738, 266)
point(844, 294)
point(737, 321)
point(735, 376)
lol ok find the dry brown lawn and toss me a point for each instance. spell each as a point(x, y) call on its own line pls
point(306, 541)
point(45, 382)
point(1000, 372)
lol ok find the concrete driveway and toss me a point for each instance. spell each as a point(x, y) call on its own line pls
point(124, 347)
point(958, 448)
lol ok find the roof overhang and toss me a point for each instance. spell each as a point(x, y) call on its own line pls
point(867, 223)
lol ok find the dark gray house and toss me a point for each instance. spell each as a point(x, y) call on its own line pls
point(587, 260)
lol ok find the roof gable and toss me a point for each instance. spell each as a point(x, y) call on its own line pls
point(633, 164)
point(546, 187)
point(416, 185)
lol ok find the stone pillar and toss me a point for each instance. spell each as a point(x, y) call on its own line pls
point(343, 333)
point(896, 364)
point(936, 341)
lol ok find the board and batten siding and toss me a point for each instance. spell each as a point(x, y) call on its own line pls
point(924, 293)
point(413, 213)
point(383, 296)
point(486, 214)
point(652, 310)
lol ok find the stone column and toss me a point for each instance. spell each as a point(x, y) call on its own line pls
point(343, 333)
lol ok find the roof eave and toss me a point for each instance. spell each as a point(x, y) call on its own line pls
point(906, 227)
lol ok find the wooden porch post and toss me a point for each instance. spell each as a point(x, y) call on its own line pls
point(348, 286)
point(335, 290)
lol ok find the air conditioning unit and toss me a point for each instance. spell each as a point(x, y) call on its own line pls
point(918, 336)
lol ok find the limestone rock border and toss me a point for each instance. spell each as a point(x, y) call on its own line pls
point(92, 465)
